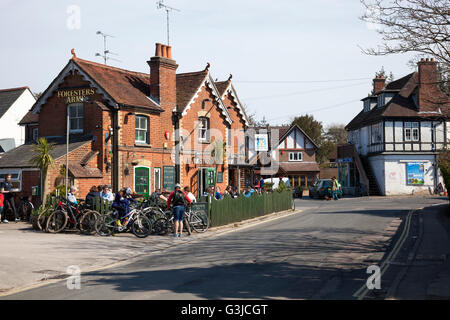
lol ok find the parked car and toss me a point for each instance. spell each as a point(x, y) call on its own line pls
point(322, 188)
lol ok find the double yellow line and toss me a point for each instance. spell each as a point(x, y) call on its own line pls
point(362, 292)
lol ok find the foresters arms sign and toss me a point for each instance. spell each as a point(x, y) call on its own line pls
point(75, 95)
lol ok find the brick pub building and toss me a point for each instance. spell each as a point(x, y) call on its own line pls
point(142, 130)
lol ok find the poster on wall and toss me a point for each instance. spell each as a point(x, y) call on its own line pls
point(261, 142)
point(169, 178)
point(415, 173)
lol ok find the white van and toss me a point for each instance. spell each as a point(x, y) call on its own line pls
point(275, 181)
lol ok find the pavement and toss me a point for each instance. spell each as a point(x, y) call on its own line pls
point(320, 252)
point(31, 258)
point(426, 271)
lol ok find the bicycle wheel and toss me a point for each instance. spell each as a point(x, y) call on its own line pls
point(87, 222)
point(142, 226)
point(199, 221)
point(56, 222)
point(186, 225)
point(161, 226)
point(41, 222)
point(104, 225)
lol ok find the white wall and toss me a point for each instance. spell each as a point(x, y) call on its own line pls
point(390, 172)
point(9, 123)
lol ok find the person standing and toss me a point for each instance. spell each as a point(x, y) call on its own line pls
point(190, 195)
point(217, 194)
point(178, 199)
point(2, 198)
point(6, 189)
point(334, 188)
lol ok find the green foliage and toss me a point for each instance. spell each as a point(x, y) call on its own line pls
point(311, 127)
point(282, 187)
point(62, 190)
point(336, 133)
point(324, 151)
point(43, 158)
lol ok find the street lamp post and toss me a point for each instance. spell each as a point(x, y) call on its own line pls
point(67, 149)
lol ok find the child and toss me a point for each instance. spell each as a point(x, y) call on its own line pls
point(2, 198)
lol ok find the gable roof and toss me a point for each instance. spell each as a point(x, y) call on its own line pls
point(226, 87)
point(8, 97)
point(190, 85)
point(125, 87)
point(30, 117)
point(403, 104)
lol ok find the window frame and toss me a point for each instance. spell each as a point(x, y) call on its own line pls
point(202, 129)
point(79, 106)
point(145, 130)
point(16, 177)
point(299, 155)
point(33, 131)
point(412, 129)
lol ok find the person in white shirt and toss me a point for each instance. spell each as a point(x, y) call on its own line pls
point(189, 194)
point(71, 196)
point(107, 193)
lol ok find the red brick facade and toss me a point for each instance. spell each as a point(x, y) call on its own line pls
point(153, 96)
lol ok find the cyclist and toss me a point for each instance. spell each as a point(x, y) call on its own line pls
point(122, 203)
point(179, 200)
point(71, 196)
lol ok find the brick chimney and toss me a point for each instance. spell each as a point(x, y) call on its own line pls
point(163, 77)
point(378, 83)
point(163, 88)
point(428, 89)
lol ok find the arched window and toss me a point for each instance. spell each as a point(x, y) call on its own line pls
point(141, 129)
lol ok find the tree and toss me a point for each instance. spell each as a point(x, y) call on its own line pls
point(418, 26)
point(43, 160)
point(336, 133)
point(315, 131)
point(311, 127)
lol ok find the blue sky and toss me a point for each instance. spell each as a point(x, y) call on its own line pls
point(286, 57)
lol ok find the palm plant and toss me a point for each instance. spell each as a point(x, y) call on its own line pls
point(43, 160)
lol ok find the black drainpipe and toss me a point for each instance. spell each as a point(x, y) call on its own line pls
point(115, 150)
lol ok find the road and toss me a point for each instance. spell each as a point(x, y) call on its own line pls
point(320, 253)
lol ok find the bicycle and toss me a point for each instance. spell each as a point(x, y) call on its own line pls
point(198, 221)
point(164, 224)
point(72, 217)
point(135, 220)
point(25, 209)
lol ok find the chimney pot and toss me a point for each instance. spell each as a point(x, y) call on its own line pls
point(169, 52)
point(158, 50)
point(164, 51)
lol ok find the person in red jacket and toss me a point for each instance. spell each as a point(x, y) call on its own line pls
point(2, 199)
point(179, 200)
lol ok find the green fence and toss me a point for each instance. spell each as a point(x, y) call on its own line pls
point(229, 210)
